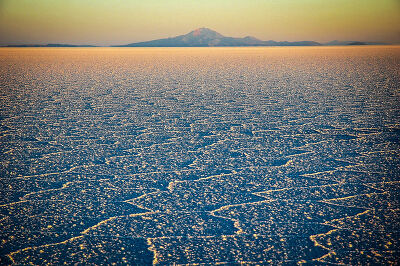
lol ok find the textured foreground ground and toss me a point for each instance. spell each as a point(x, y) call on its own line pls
point(204, 155)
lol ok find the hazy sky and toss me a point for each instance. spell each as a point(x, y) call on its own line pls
point(106, 22)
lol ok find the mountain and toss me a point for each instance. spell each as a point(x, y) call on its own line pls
point(204, 37)
point(339, 43)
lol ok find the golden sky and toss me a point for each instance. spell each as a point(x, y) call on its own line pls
point(108, 22)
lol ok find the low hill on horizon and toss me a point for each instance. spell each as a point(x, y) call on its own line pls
point(50, 45)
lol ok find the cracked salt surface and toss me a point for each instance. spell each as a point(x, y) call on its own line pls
point(200, 156)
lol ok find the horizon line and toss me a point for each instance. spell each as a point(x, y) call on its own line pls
point(335, 42)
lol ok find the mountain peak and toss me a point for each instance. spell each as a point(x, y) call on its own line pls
point(205, 33)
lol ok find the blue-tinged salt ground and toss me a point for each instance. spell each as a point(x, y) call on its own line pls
point(200, 155)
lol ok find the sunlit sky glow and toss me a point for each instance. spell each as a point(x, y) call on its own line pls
point(108, 22)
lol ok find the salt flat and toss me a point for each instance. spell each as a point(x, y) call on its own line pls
point(200, 155)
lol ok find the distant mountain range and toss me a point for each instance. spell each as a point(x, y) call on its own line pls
point(204, 37)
